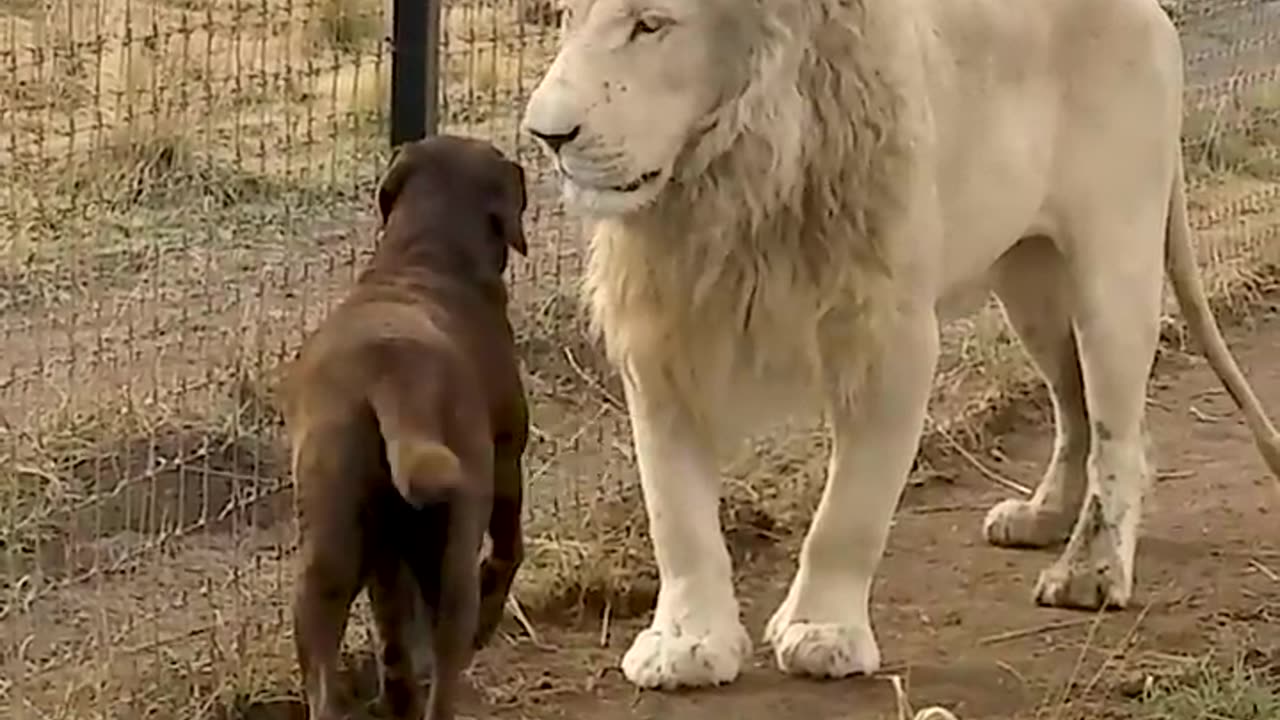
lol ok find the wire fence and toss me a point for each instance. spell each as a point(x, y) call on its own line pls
point(188, 186)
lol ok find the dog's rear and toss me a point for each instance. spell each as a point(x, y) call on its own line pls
point(409, 413)
point(407, 423)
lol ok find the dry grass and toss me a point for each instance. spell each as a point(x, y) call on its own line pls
point(211, 103)
point(242, 81)
point(1239, 684)
point(350, 26)
point(1241, 689)
point(1237, 135)
point(491, 59)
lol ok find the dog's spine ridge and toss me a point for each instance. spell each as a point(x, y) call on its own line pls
point(422, 470)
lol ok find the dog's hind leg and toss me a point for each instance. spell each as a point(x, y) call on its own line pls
point(328, 581)
point(331, 566)
point(454, 615)
point(392, 594)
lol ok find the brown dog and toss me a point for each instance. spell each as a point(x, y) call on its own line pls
point(407, 419)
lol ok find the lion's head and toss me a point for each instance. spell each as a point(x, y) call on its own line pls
point(646, 92)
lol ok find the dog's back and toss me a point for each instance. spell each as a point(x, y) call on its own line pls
point(386, 389)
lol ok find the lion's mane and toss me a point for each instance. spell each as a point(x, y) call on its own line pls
point(763, 259)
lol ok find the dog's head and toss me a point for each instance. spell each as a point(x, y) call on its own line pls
point(467, 174)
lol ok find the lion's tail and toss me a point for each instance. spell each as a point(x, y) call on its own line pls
point(1185, 276)
point(423, 469)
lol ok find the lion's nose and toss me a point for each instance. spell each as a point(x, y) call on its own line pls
point(555, 141)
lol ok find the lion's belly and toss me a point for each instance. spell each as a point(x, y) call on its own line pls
point(995, 130)
point(964, 299)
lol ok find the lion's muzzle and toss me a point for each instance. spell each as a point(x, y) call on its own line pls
point(550, 115)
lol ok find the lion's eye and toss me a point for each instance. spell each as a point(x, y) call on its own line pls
point(646, 26)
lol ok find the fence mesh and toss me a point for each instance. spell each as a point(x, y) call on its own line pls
point(188, 187)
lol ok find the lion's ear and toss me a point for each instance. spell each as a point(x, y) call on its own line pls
point(402, 166)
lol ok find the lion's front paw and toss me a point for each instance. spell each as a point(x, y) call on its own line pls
point(1019, 523)
point(669, 659)
point(1083, 586)
point(825, 650)
point(820, 649)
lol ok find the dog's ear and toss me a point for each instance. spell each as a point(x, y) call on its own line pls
point(507, 208)
point(402, 166)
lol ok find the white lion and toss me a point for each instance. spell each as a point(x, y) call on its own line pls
point(786, 195)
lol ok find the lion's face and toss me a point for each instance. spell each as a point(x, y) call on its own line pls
point(634, 84)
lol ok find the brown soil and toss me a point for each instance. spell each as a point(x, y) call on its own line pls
point(954, 616)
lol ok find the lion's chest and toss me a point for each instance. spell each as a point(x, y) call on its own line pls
point(761, 334)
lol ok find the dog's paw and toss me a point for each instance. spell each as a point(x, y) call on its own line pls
point(495, 587)
point(666, 658)
point(401, 697)
point(491, 612)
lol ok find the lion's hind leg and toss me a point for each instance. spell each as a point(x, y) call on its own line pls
point(1116, 282)
point(1031, 283)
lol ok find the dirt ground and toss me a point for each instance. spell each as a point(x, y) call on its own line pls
point(954, 616)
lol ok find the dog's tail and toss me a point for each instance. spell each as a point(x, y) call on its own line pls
point(423, 468)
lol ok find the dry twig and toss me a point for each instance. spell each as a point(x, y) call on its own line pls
point(595, 383)
point(604, 623)
point(978, 465)
point(1257, 565)
point(517, 611)
point(1037, 630)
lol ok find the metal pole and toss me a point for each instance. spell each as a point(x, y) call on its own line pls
point(414, 69)
point(431, 113)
